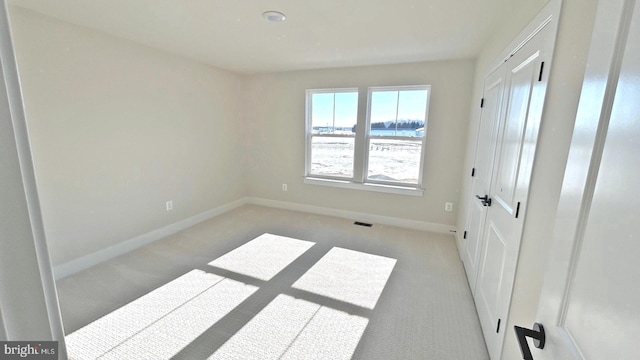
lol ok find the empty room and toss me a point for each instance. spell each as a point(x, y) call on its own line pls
point(333, 180)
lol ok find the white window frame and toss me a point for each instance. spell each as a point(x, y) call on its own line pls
point(362, 139)
point(368, 135)
point(310, 135)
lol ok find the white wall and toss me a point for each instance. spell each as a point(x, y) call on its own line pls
point(117, 129)
point(275, 128)
point(574, 33)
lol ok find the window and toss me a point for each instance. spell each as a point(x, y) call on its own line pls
point(382, 151)
point(331, 132)
point(395, 137)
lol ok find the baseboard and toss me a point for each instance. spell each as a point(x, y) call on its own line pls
point(459, 244)
point(87, 261)
point(354, 215)
point(124, 247)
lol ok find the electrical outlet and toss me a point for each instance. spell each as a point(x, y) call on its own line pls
point(169, 205)
point(284, 187)
point(448, 206)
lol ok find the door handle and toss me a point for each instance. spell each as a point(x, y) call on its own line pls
point(486, 200)
point(538, 336)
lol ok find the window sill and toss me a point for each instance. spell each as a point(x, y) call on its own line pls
point(391, 189)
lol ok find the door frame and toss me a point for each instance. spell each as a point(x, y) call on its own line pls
point(604, 62)
point(27, 269)
point(547, 18)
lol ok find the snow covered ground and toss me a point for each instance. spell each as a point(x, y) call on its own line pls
point(389, 160)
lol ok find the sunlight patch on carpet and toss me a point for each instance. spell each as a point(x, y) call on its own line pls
point(290, 328)
point(263, 257)
point(350, 276)
point(161, 323)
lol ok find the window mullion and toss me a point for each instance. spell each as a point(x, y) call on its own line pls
point(360, 141)
point(333, 123)
point(398, 157)
point(397, 109)
point(308, 133)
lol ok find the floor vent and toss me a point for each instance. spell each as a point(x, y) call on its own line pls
point(362, 224)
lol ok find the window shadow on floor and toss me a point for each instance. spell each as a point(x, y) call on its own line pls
point(272, 297)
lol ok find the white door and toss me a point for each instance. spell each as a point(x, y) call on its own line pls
point(525, 88)
point(482, 170)
point(591, 294)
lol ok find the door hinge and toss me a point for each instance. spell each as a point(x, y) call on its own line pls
point(473, 172)
point(518, 209)
point(541, 69)
point(465, 235)
point(482, 102)
point(498, 327)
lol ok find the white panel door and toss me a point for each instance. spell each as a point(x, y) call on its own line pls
point(517, 135)
point(591, 297)
point(483, 168)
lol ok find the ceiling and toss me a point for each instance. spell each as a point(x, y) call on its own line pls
point(232, 34)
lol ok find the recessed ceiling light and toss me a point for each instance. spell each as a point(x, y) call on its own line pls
point(274, 16)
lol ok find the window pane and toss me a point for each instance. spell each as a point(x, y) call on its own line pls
point(398, 113)
point(383, 112)
point(334, 112)
point(346, 115)
point(394, 160)
point(322, 112)
point(332, 156)
point(412, 108)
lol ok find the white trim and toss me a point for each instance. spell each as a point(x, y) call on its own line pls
point(547, 16)
point(354, 215)
point(604, 63)
point(334, 135)
point(95, 258)
point(459, 239)
point(362, 139)
point(309, 122)
point(3, 330)
point(547, 20)
point(618, 38)
point(347, 184)
point(367, 126)
point(11, 81)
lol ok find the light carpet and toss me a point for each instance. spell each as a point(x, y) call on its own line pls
point(263, 283)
